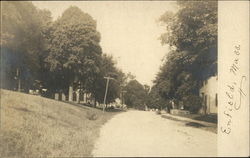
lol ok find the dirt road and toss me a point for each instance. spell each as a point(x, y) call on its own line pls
point(143, 133)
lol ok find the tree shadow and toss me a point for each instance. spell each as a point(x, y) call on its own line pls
point(207, 118)
point(194, 124)
point(114, 110)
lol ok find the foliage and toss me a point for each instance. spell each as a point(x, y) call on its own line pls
point(55, 54)
point(108, 69)
point(74, 51)
point(193, 27)
point(192, 103)
point(22, 42)
point(154, 100)
point(135, 95)
point(191, 33)
point(91, 115)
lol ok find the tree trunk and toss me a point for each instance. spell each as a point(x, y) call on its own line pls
point(94, 102)
point(78, 96)
point(18, 74)
point(85, 97)
point(71, 92)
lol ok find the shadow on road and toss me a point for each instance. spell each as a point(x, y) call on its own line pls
point(194, 124)
point(207, 118)
point(207, 126)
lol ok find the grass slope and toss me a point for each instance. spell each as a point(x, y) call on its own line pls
point(33, 126)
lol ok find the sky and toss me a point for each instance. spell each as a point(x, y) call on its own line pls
point(129, 31)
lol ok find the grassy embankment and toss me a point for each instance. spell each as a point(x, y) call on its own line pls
point(33, 126)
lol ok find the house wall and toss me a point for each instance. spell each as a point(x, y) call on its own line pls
point(208, 93)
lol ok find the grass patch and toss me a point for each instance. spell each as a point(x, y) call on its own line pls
point(91, 115)
point(33, 126)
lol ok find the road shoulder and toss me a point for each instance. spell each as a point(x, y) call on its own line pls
point(212, 127)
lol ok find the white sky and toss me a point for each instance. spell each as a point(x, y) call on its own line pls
point(129, 31)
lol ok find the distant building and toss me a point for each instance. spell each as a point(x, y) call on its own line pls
point(209, 94)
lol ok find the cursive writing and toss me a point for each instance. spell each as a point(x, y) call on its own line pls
point(234, 68)
point(234, 92)
point(241, 93)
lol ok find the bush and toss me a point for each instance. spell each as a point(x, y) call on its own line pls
point(91, 115)
point(192, 103)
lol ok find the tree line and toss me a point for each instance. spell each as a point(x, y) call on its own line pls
point(43, 53)
point(191, 33)
point(38, 52)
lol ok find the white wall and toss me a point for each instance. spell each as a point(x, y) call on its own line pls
point(210, 90)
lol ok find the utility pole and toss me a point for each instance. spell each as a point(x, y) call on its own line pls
point(106, 91)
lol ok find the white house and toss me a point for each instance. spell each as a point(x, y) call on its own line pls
point(209, 94)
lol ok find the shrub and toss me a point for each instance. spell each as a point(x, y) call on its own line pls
point(91, 115)
point(192, 103)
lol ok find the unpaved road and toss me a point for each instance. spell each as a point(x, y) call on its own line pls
point(143, 133)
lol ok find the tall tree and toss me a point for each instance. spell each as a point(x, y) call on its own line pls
point(192, 34)
point(193, 29)
point(136, 95)
point(22, 42)
point(109, 69)
point(154, 100)
point(75, 53)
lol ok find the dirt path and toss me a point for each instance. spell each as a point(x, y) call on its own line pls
point(143, 133)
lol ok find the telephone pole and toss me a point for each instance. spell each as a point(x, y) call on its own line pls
point(106, 91)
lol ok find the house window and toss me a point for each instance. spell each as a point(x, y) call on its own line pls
point(216, 99)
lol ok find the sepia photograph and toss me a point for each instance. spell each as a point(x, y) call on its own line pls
point(120, 79)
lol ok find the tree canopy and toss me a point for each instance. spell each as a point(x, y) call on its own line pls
point(22, 42)
point(74, 49)
point(135, 95)
point(55, 54)
point(108, 69)
point(191, 33)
